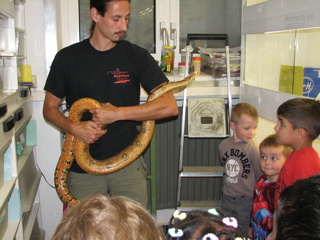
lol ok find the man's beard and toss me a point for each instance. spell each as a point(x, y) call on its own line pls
point(120, 38)
point(117, 41)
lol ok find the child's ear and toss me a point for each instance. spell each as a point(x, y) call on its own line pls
point(232, 125)
point(301, 133)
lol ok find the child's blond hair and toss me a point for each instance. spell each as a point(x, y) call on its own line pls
point(103, 218)
point(271, 141)
point(241, 109)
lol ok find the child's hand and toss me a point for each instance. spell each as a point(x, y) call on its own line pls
point(271, 236)
point(250, 232)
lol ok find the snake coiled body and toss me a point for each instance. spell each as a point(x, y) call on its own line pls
point(73, 148)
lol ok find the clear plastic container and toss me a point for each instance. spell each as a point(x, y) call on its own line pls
point(196, 63)
point(167, 58)
point(182, 68)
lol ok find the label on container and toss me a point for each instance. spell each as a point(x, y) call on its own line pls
point(197, 65)
point(167, 58)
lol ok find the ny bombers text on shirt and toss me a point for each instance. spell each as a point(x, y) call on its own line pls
point(232, 160)
point(241, 167)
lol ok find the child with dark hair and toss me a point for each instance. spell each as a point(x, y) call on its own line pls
point(298, 126)
point(272, 157)
point(299, 210)
point(203, 225)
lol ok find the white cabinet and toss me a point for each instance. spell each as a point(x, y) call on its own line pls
point(19, 202)
point(19, 176)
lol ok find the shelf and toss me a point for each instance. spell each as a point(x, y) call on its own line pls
point(13, 101)
point(7, 54)
point(4, 147)
point(21, 30)
point(5, 191)
point(32, 218)
point(7, 8)
point(21, 57)
point(11, 230)
point(26, 204)
point(18, 196)
point(6, 139)
point(203, 171)
point(20, 125)
point(29, 179)
point(24, 158)
point(198, 205)
point(11, 213)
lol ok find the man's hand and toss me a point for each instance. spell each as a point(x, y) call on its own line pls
point(106, 115)
point(87, 131)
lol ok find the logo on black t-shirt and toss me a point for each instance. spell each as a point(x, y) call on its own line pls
point(120, 76)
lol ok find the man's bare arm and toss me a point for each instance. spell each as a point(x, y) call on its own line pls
point(162, 107)
point(87, 131)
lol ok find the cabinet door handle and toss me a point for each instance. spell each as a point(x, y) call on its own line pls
point(8, 124)
point(3, 109)
point(18, 115)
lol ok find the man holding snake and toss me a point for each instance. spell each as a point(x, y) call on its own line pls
point(110, 70)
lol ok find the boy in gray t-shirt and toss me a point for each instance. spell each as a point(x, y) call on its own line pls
point(240, 157)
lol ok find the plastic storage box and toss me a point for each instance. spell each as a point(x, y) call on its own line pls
point(29, 180)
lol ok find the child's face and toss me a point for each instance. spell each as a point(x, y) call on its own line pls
point(271, 161)
point(245, 129)
point(285, 131)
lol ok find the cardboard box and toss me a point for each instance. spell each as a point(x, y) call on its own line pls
point(311, 82)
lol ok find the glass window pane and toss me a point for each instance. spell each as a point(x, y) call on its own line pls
point(269, 55)
point(141, 29)
point(308, 48)
point(286, 61)
point(308, 57)
point(211, 17)
point(84, 19)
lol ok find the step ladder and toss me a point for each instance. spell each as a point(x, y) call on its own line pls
point(201, 171)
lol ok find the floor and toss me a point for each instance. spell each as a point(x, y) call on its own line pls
point(164, 215)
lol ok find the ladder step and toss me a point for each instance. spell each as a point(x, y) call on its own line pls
point(203, 171)
point(198, 205)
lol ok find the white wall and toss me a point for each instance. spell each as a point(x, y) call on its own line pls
point(35, 35)
point(48, 152)
point(233, 18)
point(41, 47)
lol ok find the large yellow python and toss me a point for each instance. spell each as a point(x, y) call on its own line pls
point(74, 148)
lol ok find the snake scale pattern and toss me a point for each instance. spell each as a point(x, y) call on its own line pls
point(73, 148)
